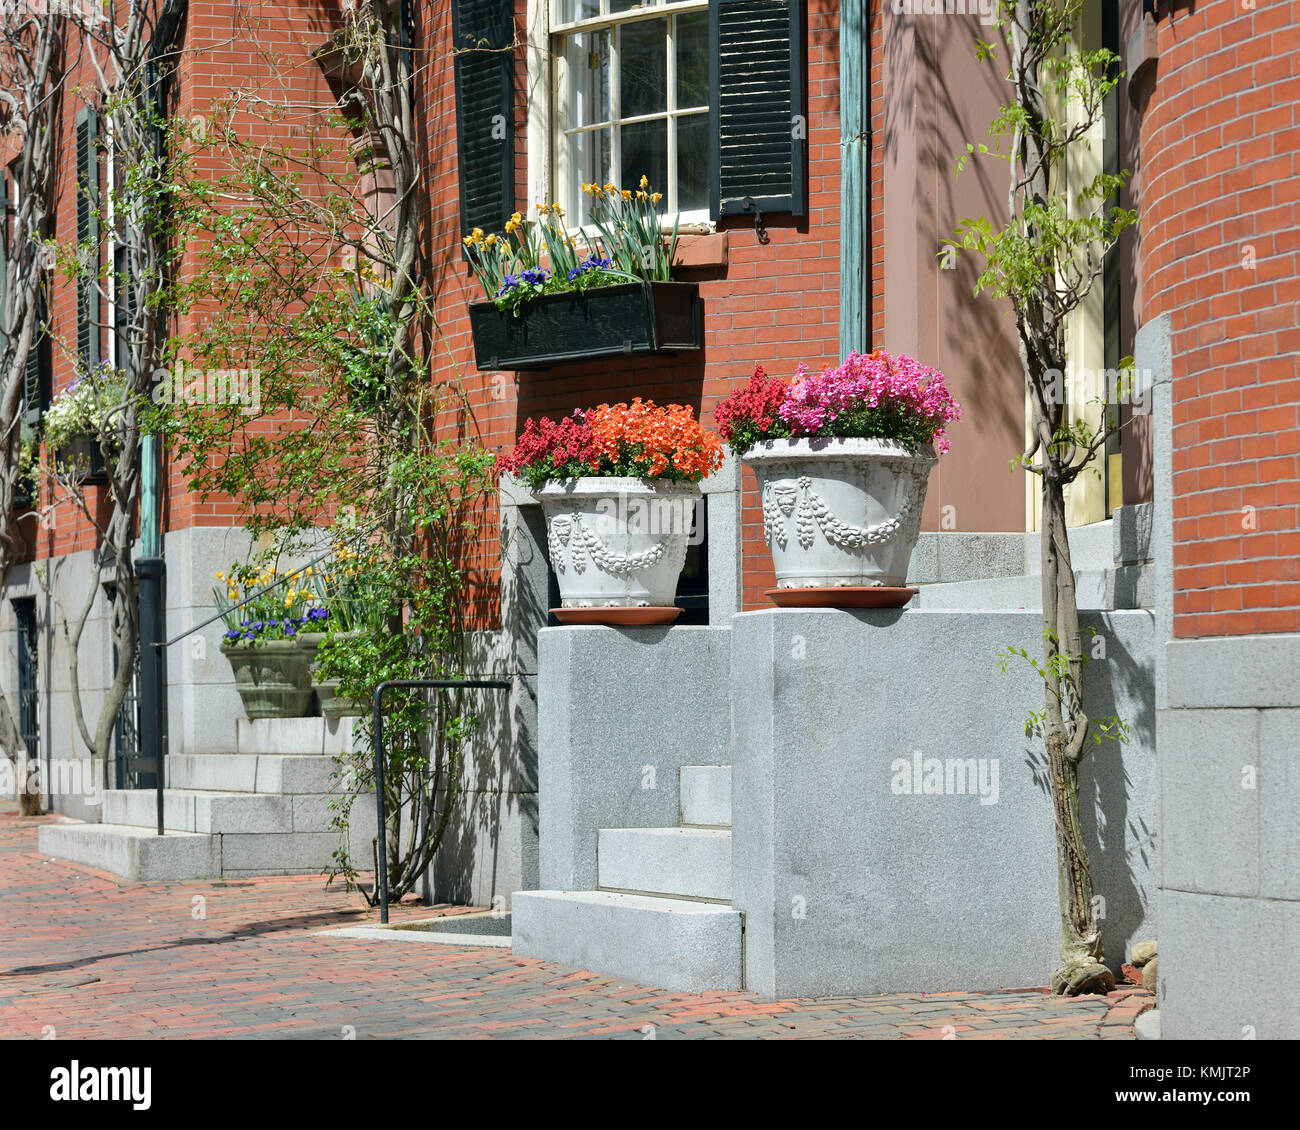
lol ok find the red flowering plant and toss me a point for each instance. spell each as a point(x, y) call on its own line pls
point(637, 440)
point(870, 396)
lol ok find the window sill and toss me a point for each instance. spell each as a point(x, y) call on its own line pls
point(694, 251)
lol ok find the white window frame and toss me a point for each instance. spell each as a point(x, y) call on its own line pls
point(548, 178)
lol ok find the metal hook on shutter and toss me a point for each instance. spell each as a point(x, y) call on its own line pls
point(760, 230)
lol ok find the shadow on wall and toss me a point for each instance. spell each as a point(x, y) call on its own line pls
point(1118, 846)
point(938, 97)
point(668, 379)
point(486, 849)
point(489, 844)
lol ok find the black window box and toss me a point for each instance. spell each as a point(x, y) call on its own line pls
point(608, 321)
point(84, 461)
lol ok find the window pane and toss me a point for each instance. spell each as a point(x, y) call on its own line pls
point(692, 162)
point(643, 68)
point(574, 10)
point(588, 63)
point(692, 43)
point(590, 162)
point(645, 153)
point(628, 5)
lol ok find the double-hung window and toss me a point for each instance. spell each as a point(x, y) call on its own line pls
point(632, 100)
point(704, 98)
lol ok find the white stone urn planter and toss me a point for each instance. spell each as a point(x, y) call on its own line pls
point(617, 543)
point(841, 513)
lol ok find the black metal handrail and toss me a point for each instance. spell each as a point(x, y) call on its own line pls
point(247, 600)
point(381, 878)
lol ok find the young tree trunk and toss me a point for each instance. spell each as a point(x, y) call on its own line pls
point(1065, 730)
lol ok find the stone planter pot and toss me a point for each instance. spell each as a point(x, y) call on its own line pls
point(272, 678)
point(841, 513)
point(332, 705)
point(617, 543)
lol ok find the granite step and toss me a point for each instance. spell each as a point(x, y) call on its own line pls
point(194, 810)
point(1126, 586)
point(248, 773)
point(705, 792)
point(674, 944)
point(133, 853)
point(674, 862)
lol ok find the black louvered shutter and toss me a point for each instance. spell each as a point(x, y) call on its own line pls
point(482, 31)
point(758, 121)
point(88, 234)
point(36, 382)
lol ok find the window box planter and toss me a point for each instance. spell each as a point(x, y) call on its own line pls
point(83, 459)
point(608, 321)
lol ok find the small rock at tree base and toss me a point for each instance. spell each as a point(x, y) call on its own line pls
point(1142, 953)
point(1149, 975)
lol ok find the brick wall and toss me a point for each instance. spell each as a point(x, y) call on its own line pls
point(775, 304)
point(1220, 253)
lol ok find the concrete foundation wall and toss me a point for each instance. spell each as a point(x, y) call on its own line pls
point(622, 710)
point(850, 882)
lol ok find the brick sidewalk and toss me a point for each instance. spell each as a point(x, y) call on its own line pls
point(84, 955)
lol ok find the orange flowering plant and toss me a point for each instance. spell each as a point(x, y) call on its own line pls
point(638, 440)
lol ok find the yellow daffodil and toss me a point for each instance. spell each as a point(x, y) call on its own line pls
point(627, 194)
point(645, 181)
point(656, 197)
point(491, 240)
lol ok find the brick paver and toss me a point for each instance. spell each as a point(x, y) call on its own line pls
point(85, 955)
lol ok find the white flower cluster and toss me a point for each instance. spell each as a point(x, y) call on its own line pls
point(79, 411)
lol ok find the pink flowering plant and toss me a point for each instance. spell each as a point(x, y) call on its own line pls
point(869, 396)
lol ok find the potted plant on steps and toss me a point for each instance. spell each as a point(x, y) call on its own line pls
point(618, 486)
point(348, 606)
point(843, 461)
point(261, 644)
point(606, 290)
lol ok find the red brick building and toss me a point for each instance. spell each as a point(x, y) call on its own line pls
point(718, 101)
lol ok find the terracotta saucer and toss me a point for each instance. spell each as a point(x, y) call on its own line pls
point(630, 616)
point(846, 596)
